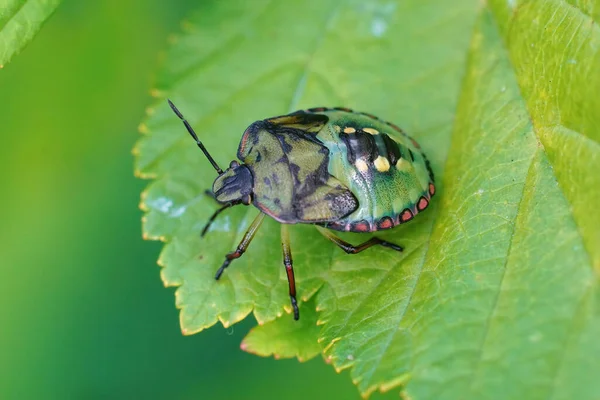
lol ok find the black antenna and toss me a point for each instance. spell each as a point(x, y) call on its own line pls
point(198, 142)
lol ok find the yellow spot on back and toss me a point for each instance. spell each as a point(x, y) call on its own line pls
point(403, 164)
point(361, 165)
point(337, 128)
point(371, 131)
point(349, 130)
point(382, 164)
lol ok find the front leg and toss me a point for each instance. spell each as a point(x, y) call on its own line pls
point(287, 262)
point(241, 249)
point(212, 218)
point(210, 194)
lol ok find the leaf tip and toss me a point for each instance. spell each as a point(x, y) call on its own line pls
point(405, 396)
point(140, 175)
point(143, 129)
point(172, 39)
point(331, 343)
point(166, 281)
point(187, 26)
point(398, 381)
point(156, 93)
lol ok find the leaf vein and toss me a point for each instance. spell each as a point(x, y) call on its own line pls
point(478, 367)
point(537, 127)
point(13, 14)
point(570, 335)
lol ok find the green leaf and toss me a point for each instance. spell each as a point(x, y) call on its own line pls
point(496, 294)
point(286, 338)
point(20, 20)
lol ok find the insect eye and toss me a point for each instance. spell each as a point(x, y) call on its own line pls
point(247, 200)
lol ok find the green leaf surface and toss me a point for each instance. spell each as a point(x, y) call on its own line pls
point(20, 20)
point(496, 294)
point(286, 338)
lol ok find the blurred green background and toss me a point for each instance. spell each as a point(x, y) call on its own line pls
point(84, 313)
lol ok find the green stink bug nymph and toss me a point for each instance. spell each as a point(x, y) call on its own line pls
point(331, 167)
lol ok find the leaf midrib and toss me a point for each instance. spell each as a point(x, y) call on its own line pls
point(508, 253)
point(536, 126)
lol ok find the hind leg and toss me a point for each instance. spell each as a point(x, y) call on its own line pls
point(350, 249)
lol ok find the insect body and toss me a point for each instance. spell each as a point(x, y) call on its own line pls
point(331, 167)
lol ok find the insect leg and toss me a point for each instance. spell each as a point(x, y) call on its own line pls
point(212, 218)
point(287, 262)
point(248, 236)
point(350, 249)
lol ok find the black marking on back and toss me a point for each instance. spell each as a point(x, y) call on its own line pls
point(428, 166)
point(295, 170)
point(343, 109)
point(360, 145)
point(376, 118)
point(318, 175)
point(340, 204)
point(393, 149)
point(317, 109)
